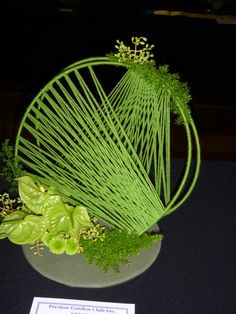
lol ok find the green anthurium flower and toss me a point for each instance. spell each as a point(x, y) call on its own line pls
point(36, 198)
point(80, 219)
point(58, 218)
point(2, 235)
point(27, 229)
point(69, 219)
point(32, 195)
point(10, 223)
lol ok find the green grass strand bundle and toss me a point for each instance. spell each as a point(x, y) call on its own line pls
point(69, 142)
point(99, 145)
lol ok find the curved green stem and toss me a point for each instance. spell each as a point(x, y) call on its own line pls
point(172, 206)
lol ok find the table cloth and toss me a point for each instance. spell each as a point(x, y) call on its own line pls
point(195, 271)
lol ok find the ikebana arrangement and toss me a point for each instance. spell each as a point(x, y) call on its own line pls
point(92, 162)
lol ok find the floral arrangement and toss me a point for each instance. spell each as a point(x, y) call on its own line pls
point(40, 218)
point(83, 160)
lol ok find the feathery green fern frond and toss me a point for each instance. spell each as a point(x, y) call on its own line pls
point(11, 168)
point(116, 248)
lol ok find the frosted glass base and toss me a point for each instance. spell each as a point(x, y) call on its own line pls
point(74, 270)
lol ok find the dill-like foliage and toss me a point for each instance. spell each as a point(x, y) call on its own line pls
point(116, 248)
point(11, 168)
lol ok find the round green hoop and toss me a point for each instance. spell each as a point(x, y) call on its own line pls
point(191, 133)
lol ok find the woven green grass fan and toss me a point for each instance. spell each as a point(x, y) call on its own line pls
point(99, 134)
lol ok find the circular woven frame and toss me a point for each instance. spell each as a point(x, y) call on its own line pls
point(80, 137)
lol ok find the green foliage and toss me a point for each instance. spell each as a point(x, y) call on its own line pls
point(42, 215)
point(115, 248)
point(160, 78)
point(39, 218)
point(180, 96)
point(11, 169)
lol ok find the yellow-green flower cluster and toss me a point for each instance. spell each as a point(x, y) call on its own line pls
point(95, 233)
point(137, 54)
point(7, 204)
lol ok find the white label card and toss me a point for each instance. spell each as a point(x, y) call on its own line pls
point(68, 306)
